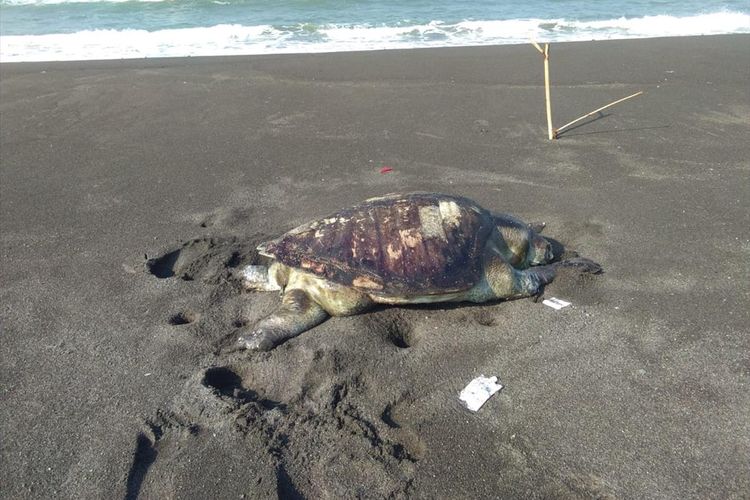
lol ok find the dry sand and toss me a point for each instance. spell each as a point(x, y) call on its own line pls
point(113, 385)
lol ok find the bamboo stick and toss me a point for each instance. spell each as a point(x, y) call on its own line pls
point(560, 129)
point(550, 131)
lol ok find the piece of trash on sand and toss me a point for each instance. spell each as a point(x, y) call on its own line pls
point(479, 390)
point(385, 170)
point(555, 303)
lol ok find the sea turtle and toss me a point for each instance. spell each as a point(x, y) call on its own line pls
point(397, 249)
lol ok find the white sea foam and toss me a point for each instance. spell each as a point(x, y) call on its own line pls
point(235, 39)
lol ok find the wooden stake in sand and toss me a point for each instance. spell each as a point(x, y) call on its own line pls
point(545, 53)
point(552, 132)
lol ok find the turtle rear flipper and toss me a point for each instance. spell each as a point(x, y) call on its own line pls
point(298, 312)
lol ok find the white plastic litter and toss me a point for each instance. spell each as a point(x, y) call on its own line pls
point(555, 303)
point(479, 390)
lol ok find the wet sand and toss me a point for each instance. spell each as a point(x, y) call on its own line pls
point(113, 381)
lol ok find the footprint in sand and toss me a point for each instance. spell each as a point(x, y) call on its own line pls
point(227, 218)
point(395, 325)
point(185, 317)
point(288, 446)
point(206, 259)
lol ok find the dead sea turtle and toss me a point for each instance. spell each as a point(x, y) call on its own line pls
point(398, 249)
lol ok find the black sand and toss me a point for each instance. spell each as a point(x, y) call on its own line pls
point(113, 385)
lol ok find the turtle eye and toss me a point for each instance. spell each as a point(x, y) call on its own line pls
point(548, 253)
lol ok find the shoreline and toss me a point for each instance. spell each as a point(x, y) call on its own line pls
point(114, 382)
point(368, 51)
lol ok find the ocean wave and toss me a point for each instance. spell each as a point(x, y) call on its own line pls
point(235, 39)
point(58, 2)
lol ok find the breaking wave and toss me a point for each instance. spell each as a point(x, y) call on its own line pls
point(236, 39)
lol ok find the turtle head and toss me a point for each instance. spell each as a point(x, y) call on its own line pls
point(524, 246)
point(540, 251)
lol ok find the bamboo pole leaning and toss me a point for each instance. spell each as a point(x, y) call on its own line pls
point(560, 129)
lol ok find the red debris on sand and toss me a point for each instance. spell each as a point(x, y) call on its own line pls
point(385, 170)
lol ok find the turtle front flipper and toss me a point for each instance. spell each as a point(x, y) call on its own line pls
point(530, 282)
point(298, 313)
point(503, 281)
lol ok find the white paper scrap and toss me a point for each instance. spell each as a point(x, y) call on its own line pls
point(555, 303)
point(479, 390)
